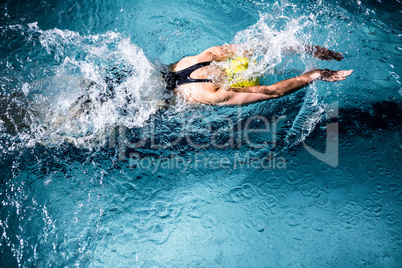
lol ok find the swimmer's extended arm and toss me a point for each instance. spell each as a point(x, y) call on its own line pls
point(323, 53)
point(318, 52)
point(235, 96)
point(220, 53)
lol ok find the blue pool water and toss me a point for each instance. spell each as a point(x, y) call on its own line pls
point(126, 183)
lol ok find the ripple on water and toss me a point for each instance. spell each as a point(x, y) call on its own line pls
point(348, 145)
point(350, 215)
point(395, 236)
point(196, 208)
point(309, 189)
point(208, 222)
point(144, 213)
point(294, 217)
point(239, 194)
point(338, 172)
point(391, 217)
point(393, 189)
point(372, 209)
point(268, 204)
point(160, 209)
point(166, 211)
point(348, 172)
point(269, 185)
point(370, 174)
point(384, 170)
point(319, 224)
point(378, 198)
point(294, 162)
point(381, 188)
point(364, 156)
point(293, 178)
point(274, 182)
point(327, 189)
point(323, 202)
point(156, 222)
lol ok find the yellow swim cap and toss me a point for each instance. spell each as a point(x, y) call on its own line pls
point(234, 68)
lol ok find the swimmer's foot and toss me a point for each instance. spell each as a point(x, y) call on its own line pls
point(333, 76)
point(86, 84)
point(83, 103)
point(80, 106)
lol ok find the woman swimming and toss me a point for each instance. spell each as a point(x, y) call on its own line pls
point(197, 80)
point(202, 79)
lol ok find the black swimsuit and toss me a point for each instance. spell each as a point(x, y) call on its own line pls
point(175, 79)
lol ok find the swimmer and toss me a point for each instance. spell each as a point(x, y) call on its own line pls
point(194, 77)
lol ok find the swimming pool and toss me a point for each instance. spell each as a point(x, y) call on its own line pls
point(128, 183)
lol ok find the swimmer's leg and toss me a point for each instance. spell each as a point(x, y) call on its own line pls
point(84, 102)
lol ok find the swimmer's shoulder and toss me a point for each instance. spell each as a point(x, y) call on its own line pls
point(190, 61)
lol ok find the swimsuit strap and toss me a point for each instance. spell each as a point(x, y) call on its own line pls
point(183, 76)
point(175, 79)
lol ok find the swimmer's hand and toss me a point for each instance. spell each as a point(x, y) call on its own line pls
point(323, 53)
point(333, 76)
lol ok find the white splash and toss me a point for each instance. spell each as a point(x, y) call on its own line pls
point(100, 81)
